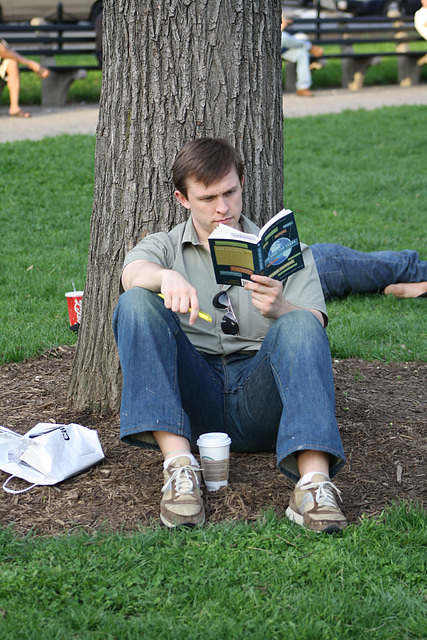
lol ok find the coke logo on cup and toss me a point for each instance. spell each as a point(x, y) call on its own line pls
point(78, 308)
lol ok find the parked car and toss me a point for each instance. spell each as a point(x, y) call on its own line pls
point(372, 7)
point(72, 10)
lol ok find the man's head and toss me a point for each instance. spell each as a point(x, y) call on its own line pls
point(205, 160)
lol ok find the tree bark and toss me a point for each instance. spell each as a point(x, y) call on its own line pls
point(173, 70)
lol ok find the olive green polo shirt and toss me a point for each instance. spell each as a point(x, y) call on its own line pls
point(181, 250)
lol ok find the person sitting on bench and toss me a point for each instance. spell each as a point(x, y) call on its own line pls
point(298, 50)
point(9, 72)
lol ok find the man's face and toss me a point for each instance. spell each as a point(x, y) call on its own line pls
point(221, 202)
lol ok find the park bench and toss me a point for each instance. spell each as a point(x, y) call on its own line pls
point(46, 41)
point(376, 34)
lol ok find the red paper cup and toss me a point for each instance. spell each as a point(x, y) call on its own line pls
point(74, 302)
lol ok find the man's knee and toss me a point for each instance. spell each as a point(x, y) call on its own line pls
point(134, 299)
point(300, 328)
point(143, 308)
point(135, 305)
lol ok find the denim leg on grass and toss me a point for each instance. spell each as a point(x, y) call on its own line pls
point(343, 270)
point(284, 396)
point(157, 359)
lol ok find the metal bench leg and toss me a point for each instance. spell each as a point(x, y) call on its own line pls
point(55, 86)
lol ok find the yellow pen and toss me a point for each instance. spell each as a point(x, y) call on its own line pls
point(202, 314)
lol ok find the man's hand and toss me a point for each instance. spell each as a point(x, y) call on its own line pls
point(179, 295)
point(267, 296)
point(316, 51)
point(285, 23)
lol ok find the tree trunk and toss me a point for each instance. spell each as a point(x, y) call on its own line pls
point(173, 71)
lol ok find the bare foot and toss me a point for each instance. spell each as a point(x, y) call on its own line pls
point(407, 289)
point(42, 72)
point(20, 114)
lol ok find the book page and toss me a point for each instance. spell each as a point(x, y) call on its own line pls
point(224, 232)
point(274, 219)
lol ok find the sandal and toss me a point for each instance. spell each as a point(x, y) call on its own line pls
point(20, 114)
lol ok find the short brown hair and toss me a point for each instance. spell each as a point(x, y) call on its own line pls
point(205, 160)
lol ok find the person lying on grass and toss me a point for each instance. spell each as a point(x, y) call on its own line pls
point(260, 371)
point(9, 72)
point(343, 271)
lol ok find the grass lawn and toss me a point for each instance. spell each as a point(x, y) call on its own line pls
point(354, 178)
point(267, 580)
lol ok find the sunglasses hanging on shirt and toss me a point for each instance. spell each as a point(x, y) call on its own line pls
point(229, 324)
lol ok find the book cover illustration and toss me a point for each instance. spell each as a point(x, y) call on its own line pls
point(275, 252)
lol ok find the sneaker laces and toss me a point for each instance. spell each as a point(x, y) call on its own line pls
point(182, 476)
point(324, 493)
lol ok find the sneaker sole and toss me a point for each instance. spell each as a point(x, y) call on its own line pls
point(298, 519)
point(187, 525)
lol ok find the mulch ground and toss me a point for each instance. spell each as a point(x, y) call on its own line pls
point(381, 411)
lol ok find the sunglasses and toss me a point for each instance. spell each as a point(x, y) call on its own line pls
point(229, 324)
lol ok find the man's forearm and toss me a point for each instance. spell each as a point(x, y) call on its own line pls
point(144, 274)
point(178, 294)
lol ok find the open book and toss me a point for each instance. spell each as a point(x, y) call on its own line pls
point(275, 252)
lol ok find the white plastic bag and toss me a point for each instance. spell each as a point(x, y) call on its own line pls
point(48, 453)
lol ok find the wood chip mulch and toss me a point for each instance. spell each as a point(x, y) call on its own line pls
point(381, 411)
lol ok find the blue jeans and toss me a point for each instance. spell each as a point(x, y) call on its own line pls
point(281, 398)
point(343, 270)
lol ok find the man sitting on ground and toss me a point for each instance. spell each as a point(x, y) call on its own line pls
point(261, 370)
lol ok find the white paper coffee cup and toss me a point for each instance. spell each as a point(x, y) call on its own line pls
point(214, 449)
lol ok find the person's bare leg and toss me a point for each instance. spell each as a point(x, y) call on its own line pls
point(13, 84)
point(170, 444)
point(406, 289)
point(309, 461)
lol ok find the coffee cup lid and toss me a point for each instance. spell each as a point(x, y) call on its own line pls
point(213, 439)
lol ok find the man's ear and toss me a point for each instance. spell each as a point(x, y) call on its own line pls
point(182, 199)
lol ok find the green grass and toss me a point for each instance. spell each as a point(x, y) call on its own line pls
point(45, 213)
point(269, 579)
point(354, 178)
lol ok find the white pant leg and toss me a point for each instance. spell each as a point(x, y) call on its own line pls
point(302, 59)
